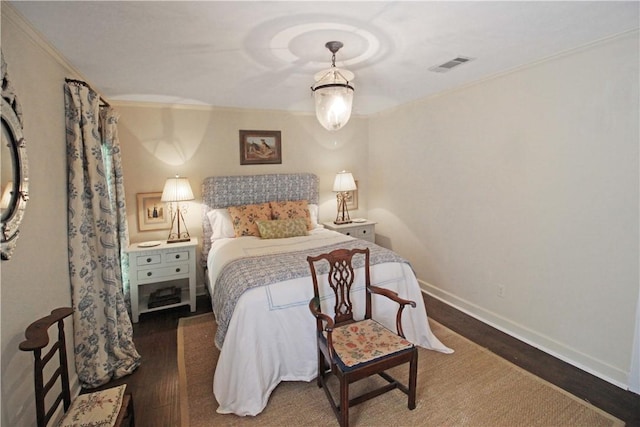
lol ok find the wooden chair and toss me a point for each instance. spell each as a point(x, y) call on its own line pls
point(377, 349)
point(111, 406)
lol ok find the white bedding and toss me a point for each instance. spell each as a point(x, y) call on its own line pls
point(271, 335)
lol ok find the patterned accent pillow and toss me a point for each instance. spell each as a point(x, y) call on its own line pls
point(244, 218)
point(281, 228)
point(291, 210)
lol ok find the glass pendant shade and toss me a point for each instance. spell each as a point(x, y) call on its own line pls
point(334, 98)
point(333, 93)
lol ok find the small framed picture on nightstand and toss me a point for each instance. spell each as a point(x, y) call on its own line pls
point(153, 214)
point(352, 198)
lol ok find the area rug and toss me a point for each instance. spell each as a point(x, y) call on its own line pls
point(471, 387)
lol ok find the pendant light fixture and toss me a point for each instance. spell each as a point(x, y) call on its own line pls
point(332, 92)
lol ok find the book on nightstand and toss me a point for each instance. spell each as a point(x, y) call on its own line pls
point(164, 296)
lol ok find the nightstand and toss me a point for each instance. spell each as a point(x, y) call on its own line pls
point(360, 230)
point(157, 267)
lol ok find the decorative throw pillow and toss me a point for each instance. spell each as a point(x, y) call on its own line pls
point(281, 228)
point(244, 218)
point(291, 210)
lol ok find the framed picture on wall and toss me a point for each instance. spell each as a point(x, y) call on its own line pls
point(352, 198)
point(153, 214)
point(260, 147)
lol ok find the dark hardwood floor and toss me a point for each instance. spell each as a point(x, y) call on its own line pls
point(155, 384)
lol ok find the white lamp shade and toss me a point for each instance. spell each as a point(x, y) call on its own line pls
point(177, 190)
point(344, 182)
point(334, 98)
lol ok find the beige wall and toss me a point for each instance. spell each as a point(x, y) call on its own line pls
point(527, 181)
point(159, 141)
point(36, 279)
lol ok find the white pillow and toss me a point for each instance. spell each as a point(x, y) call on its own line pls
point(221, 225)
point(313, 212)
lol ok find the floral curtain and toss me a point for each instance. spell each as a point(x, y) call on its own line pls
point(113, 167)
point(103, 334)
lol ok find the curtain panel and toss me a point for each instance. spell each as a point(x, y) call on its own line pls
point(103, 333)
point(113, 166)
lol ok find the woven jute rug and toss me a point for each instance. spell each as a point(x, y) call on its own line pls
point(471, 387)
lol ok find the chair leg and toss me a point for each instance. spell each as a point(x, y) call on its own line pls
point(344, 402)
point(320, 367)
point(413, 375)
point(132, 415)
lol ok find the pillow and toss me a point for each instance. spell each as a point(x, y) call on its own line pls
point(244, 218)
point(313, 212)
point(221, 225)
point(291, 210)
point(280, 228)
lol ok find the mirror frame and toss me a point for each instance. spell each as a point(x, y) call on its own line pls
point(12, 123)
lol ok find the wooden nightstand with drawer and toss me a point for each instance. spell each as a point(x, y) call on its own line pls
point(160, 267)
point(361, 230)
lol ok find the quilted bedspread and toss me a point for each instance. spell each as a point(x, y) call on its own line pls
point(252, 271)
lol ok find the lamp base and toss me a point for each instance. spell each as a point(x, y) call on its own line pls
point(184, 239)
point(346, 221)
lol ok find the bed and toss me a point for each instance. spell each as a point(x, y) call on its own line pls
point(260, 289)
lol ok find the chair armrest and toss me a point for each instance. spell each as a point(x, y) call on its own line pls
point(314, 307)
point(394, 297)
point(391, 295)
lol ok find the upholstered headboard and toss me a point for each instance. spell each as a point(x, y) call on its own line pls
point(223, 191)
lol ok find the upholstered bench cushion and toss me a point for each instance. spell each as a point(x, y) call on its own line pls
point(99, 408)
point(366, 340)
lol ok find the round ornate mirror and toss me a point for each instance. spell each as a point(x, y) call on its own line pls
point(14, 177)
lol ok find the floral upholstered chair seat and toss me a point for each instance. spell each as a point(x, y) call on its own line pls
point(363, 341)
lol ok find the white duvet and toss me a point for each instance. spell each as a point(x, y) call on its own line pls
point(271, 335)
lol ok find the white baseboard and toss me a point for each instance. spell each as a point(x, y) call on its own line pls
point(567, 354)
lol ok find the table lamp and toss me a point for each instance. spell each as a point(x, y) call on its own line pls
point(343, 183)
point(177, 190)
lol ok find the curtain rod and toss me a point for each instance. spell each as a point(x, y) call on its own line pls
point(85, 84)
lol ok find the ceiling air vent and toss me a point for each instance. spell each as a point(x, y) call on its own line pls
point(449, 65)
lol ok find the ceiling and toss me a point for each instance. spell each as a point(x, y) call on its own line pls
point(263, 55)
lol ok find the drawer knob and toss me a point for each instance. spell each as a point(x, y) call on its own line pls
point(177, 256)
point(149, 274)
point(148, 259)
point(364, 231)
point(177, 270)
point(348, 233)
